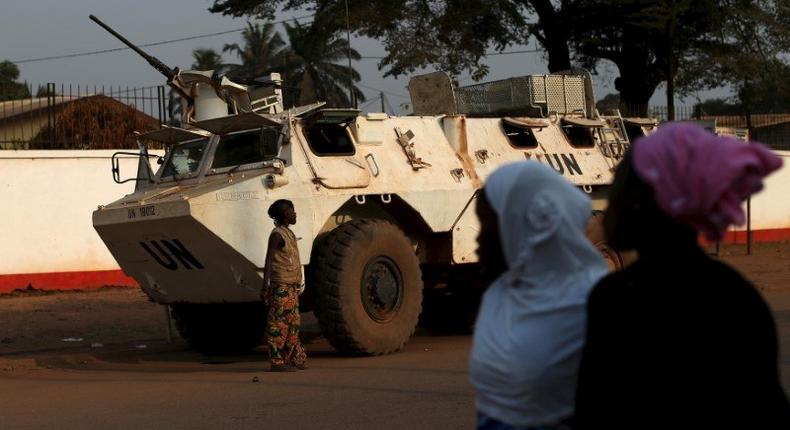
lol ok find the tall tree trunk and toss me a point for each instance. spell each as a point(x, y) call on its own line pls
point(636, 87)
point(553, 34)
point(634, 96)
point(670, 92)
point(559, 55)
point(639, 78)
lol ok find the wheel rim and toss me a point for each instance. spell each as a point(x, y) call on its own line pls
point(382, 289)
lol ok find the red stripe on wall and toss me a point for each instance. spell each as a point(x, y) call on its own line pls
point(100, 278)
point(768, 235)
point(65, 280)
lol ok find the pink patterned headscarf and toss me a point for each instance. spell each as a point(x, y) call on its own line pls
point(699, 178)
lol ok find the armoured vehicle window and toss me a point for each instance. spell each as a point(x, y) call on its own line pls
point(329, 139)
point(580, 137)
point(185, 158)
point(243, 148)
point(520, 137)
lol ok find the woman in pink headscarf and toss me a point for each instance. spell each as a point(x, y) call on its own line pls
point(677, 339)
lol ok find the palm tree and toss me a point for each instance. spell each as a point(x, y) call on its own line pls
point(313, 66)
point(206, 59)
point(263, 51)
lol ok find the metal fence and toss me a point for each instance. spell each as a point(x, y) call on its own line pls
point(770, 128)
point(66, 116)
point(755, 119)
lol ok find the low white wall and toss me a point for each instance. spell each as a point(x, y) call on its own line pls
point(47, 199)
point(771, 207)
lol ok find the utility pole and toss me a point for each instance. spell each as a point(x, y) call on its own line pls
point(381, 96)
point(351, 94)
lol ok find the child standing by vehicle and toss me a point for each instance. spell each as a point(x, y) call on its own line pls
point(282, 277)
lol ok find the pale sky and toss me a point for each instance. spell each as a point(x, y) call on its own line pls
point(41, 28)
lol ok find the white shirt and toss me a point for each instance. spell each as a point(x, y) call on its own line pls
point(532, 321)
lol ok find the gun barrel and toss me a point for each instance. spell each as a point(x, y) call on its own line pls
point(153, 61)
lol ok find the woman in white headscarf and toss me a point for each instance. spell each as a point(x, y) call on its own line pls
point(531, 326)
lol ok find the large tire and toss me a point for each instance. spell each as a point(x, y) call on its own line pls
point(221, 328)
point(368, 287)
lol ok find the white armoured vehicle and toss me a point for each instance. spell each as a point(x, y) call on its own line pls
point(385, 203)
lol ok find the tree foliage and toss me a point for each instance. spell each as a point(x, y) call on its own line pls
point(749, 52)
point(648, 41)
point(9, 72)
point(262, 50)
point(206, 59)
point(697, 43)
point(9, 88)
point(310, 64)
point(448, 34)
point(313, 65)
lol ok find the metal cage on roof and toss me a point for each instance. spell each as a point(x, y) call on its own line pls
point(533, 95)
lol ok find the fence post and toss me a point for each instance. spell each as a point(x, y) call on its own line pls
point(5, 130)
point(749, 199)
point(749, 226)
point(160, 90)
point(62, 99)
point(51, 113)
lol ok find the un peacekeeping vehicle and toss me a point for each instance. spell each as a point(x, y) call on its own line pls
point(385, 203)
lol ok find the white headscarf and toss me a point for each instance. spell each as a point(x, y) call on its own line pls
point(531, 326)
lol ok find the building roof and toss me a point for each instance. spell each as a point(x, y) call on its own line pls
point(11, 108)
point(14, 108)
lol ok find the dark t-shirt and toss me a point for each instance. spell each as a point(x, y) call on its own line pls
point(681, 341)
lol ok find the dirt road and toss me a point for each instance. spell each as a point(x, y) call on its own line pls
point(167, 387)
point(99, 360)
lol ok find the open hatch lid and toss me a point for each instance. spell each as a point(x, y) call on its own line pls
point(526, 122)
point(645, 122)
point(171, 135)
point(332, 116)
point(583, 122)
point(301, 111)
point(239, 122)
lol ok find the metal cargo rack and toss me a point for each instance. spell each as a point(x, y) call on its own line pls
point(533, 95)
